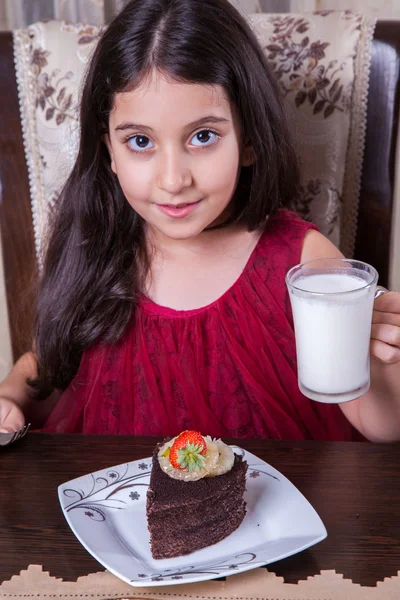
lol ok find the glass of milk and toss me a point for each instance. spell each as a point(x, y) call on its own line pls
point(332, 302)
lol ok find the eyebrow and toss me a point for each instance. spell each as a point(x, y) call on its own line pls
point(193, 125)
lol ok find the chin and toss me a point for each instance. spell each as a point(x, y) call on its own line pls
point(183, 231)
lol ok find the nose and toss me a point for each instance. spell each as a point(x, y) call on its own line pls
point(174, 173)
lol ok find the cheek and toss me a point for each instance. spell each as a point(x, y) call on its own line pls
point(134, 179)
point(221, 172)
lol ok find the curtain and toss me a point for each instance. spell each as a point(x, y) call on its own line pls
point(21, 13)
point(15, 14)
point(270, 6)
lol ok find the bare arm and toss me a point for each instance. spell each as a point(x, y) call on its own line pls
point(16, 403)
point(376, 414)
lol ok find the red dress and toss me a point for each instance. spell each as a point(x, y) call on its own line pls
point(227, 369)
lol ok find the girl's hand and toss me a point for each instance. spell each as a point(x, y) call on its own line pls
point(11, 416)
point(385, 333)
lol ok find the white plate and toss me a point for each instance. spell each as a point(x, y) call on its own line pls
point(107, 512)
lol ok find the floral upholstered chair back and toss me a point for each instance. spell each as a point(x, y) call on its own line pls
point(321, 61)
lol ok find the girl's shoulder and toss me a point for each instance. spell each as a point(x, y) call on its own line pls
point(286, 226)
point(289, 219)
point(282, 241)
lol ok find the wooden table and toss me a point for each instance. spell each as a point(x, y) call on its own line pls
point(355, 488)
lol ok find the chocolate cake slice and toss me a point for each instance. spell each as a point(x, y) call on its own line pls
point(184, 516)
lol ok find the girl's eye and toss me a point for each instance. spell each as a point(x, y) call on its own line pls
point(204, 138)
point(139, 143)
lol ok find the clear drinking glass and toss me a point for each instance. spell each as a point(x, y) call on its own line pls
point(332, 302)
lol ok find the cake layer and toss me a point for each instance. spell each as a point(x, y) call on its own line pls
point(173, 492)
point(232, 488)
point(184, 516)
point(172, 542)
point(201, 513)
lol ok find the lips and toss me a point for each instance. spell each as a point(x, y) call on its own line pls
point(178, 211)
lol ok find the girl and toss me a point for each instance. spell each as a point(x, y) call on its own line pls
point(162, 304)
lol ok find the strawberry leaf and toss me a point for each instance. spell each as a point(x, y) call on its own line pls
point(189, 457)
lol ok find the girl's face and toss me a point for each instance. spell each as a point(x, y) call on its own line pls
point(176, 150)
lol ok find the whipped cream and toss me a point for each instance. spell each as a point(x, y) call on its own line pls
point(219, 459)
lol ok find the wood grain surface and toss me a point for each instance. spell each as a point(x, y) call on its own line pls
point(355, 488)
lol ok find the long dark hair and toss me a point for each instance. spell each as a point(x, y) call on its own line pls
point(96, 256)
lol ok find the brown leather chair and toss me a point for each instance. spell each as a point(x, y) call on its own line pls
point(376, 201)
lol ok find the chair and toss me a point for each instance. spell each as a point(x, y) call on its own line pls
point(374, 227)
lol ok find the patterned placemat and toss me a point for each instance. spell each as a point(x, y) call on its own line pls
point(258, 584)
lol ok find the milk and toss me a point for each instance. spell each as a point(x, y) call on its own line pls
point(332, 334)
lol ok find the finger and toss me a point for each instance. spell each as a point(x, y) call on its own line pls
point(10, 419)
point(12, 423)
point(386, 333)
point(384, 353)
point(386, 317)
point(388, 302)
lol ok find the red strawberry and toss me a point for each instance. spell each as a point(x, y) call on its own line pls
point(188, 450)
